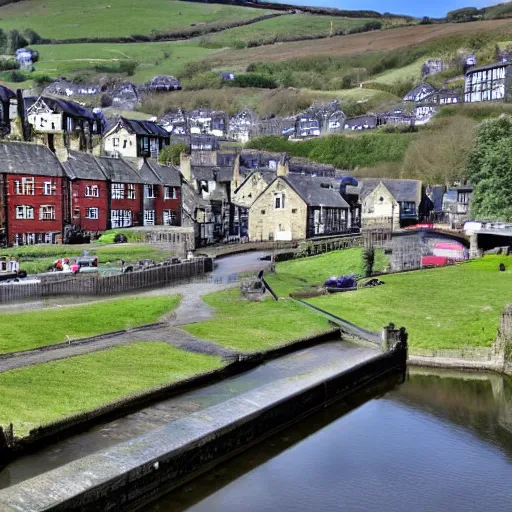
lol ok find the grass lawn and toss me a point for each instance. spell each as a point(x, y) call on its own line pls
point(410, 72)
point(166, 58)
point(60, 19)
point(299, 274)
point(256, 326)
point(443, 308)
point(41, 394)
point(37, 258)
point(34, 329)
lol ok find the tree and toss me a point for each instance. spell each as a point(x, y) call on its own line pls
point(171, 154)
point(3, 42)
point(32, 36)
point(368, 261)
point(16, 41)
point(490, 171)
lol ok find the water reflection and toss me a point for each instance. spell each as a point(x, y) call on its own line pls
point(441, 441)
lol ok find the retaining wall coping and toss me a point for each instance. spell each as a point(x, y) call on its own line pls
point(59, 487)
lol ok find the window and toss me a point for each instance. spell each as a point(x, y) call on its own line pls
point(94, 191)
point(170, 193)
point(132, 194)
point(115, 142)
point(47, 212)
point(92, 213)
point(170, 217)
point(117, 191)
point(294, 210)
point(49, 188)
point(263, 212)
point(24, 212)
point(149, 217)
point(121, 218)
point(279, 201)
point(150, 191)
point(25, 187)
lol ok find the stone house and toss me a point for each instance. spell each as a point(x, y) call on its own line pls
point(391, 203)
point(207, 122)
point(419, 93)
point(241, 124)
point(163, 83)
point(295, 207)
point(397, 116)
point(130, 138)
point(368, 122)
point(175, 123)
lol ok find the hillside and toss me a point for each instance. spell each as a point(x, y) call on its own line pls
point(61, 19)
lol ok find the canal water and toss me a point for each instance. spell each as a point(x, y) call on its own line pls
point(441, 441)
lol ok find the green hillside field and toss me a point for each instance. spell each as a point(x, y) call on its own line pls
point(61, 19)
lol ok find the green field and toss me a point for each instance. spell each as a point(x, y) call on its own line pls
point(166, 58)
point(42, 394)
point(60, 19)
point(443, 308)
point(284, 28)
point(407, 73)
point(256, 326)
point(37, 258)
point(304, 273)
point(34, 329)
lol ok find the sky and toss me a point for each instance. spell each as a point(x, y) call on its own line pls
point(432, 8)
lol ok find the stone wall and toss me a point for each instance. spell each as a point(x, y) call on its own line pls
point(406, 252)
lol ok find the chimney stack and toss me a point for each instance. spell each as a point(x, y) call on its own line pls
point(283, 168)
point(186, 166)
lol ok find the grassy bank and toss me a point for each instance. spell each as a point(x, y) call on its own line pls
point(34, 329)
point(59, 19)
point(300, 274)
point(443, 308)
point(46, 393)
point(255, 326)
point(37, 258)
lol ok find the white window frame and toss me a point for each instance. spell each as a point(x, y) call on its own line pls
point(150, 191)
point(117, 191)
point(49, 188)
point(24, 212)
point(92, 191)
point(149, 217)
point(28, 187)
point(279, 196)
point(132, 191)
point(92, 213)
point(170, 193)
point(121, 218)
point(47, 212)
point(115, 142)
point(169, 217)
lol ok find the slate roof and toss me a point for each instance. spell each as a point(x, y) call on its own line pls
point(118, 171)
point(267, 175)
point(70, 108)
point(6, 94)
point(487, 67)
point(316, 191)
point(83, 166)
point(148, 175)
point(144, 127)
point(401, 190)
point(32, 159)
point(203, 173)
point(371, 121)
point(168, 174)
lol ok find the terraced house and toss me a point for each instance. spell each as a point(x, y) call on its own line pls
point(33, 194)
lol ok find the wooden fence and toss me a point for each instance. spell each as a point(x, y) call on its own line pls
point(87, 284)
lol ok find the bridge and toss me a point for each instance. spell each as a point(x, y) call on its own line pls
point(425, 232)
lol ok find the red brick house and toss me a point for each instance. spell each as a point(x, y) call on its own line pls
point(32, 194)
point(88, 192)
point(162, 193)
point(125, 194)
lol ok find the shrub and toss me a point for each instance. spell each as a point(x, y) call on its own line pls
point(171, 154)
point(128, 67)
point(206, 80)
point(32, 36)
point(16, 41)
point(8, 64)
point(368, 261)
point(253, 80)
point(106, 101)
point(17, 77)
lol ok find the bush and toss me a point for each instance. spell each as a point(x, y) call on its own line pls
point(9, 64)
point(106, 101)
point(206, 80)
point(17, 77)
point(128, 67)
point(171, 154)
point(253, 80)
point(368, 261)
point(32, 36)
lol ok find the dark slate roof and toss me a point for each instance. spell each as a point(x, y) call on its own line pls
point(401, 190)
point(118, 171)
point(317, 191)
point(32, 159)
point(267, 175)
point(144, 127)
point(70, 108)
point(224, 173)
point(203, 173)
point(488, 66)
point(148, 175)
point(6, 94)
point(423, 87)
point(168, 174)
point(83, 166)
point(361, 120)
